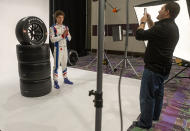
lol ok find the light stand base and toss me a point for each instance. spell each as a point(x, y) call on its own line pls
point(176, 76)
point(105, 61)
point(126, 61)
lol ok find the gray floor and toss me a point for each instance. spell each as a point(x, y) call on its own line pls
point(69, 108)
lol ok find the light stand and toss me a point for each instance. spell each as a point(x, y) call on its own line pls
point(98, 101)
point(125, 60)
point(105, 60)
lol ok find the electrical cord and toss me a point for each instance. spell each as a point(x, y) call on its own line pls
point(125, 57)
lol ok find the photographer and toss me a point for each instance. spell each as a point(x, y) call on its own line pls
point(162, 39)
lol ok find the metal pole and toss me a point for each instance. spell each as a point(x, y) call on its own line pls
point(100, 59)
point(127, 27)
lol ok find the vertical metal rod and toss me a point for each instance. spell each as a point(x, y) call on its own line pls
point(100, 59)
point(127, 27)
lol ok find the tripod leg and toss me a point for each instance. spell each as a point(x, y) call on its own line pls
point(133, 68)
point(115, 68)
point(92, 61)
point(176, 75)
point(109, 62)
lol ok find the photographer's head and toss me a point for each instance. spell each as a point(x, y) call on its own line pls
point(59, 16)
point(169, 10)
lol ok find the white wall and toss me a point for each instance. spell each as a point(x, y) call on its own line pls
point(11, 11)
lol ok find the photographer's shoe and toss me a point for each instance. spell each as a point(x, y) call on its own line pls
point(136, 124)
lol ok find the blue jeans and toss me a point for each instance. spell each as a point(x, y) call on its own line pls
point(151, 97)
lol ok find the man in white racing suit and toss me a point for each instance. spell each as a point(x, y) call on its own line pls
point(59, 35)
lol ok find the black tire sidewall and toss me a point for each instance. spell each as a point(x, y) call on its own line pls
point(71, 61)
point(35, 88)
point(34, 71)
point(33, 54)
point(22, 28)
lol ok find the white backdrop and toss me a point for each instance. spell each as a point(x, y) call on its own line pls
point(11, 11)
point(183, 47)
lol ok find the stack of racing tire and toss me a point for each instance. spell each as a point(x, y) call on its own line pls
point(33, 57)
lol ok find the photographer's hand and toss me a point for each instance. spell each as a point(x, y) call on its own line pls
point(143, 22)
point(149, 21)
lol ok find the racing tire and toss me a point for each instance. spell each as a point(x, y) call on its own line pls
point(31, 30)
point(34, 71)
point(35, 88)
point(72, 57)
point(33, 54)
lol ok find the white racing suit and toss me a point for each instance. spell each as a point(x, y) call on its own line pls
point(60, 49)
